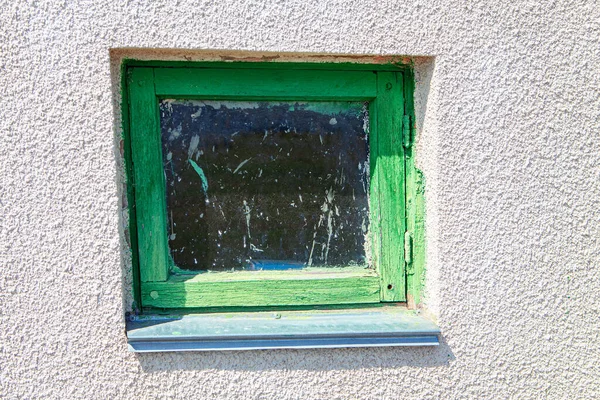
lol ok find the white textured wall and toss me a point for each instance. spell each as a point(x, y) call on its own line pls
point(509, 141)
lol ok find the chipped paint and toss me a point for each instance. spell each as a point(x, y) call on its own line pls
point(200, 174)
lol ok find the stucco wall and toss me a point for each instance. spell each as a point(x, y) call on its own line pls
point(509, 141)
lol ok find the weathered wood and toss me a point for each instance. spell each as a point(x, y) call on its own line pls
point(374, 206)
point(389, 171)
point(386, 65)
point(131, 230)
point(265, 84)
point(415, 204)
point(416, 226)
point(176, 293)
point(384, 90)
point(149, 186)
point(292, 274)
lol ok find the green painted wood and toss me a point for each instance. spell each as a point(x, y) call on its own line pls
point(284, 292)
point(308, 307)
point(387, 201)
point(374, 194)
point(269, 65)
point(415, 205)
point(418, 277)
point(267, 84)
point(410, 220)
point(301, 274)
point(149, 185)
point(390, 174)
point(415, 225)
point(131, 231)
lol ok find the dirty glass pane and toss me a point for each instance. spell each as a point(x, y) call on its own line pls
point(265, 185)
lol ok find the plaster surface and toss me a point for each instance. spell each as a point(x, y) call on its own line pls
point(508, 108)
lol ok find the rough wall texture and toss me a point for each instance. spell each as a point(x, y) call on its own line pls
point(509, 141)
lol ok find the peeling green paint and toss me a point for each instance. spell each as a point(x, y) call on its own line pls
point(414, 177)
point(201, 175)
point(334, 108)
point(415, 203)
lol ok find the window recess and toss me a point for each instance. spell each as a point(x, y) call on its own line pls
point(257, 186)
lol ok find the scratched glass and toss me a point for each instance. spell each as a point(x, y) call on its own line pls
point(266, 185)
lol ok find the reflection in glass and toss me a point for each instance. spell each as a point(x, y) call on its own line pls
point(269, 185)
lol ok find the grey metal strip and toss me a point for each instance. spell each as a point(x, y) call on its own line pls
point(148, 346)
point(285, 330)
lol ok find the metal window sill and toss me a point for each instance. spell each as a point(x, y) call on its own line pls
point(391, 326)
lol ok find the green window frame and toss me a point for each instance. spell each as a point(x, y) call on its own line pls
point(395, 186)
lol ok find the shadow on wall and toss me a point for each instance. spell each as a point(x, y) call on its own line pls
point(306, 359)
point(423, 69)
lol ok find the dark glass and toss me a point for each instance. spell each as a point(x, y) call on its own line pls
point(267, 185)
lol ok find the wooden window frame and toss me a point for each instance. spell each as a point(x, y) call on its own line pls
point(395, 195)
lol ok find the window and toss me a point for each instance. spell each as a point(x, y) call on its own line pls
point(263, 185)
